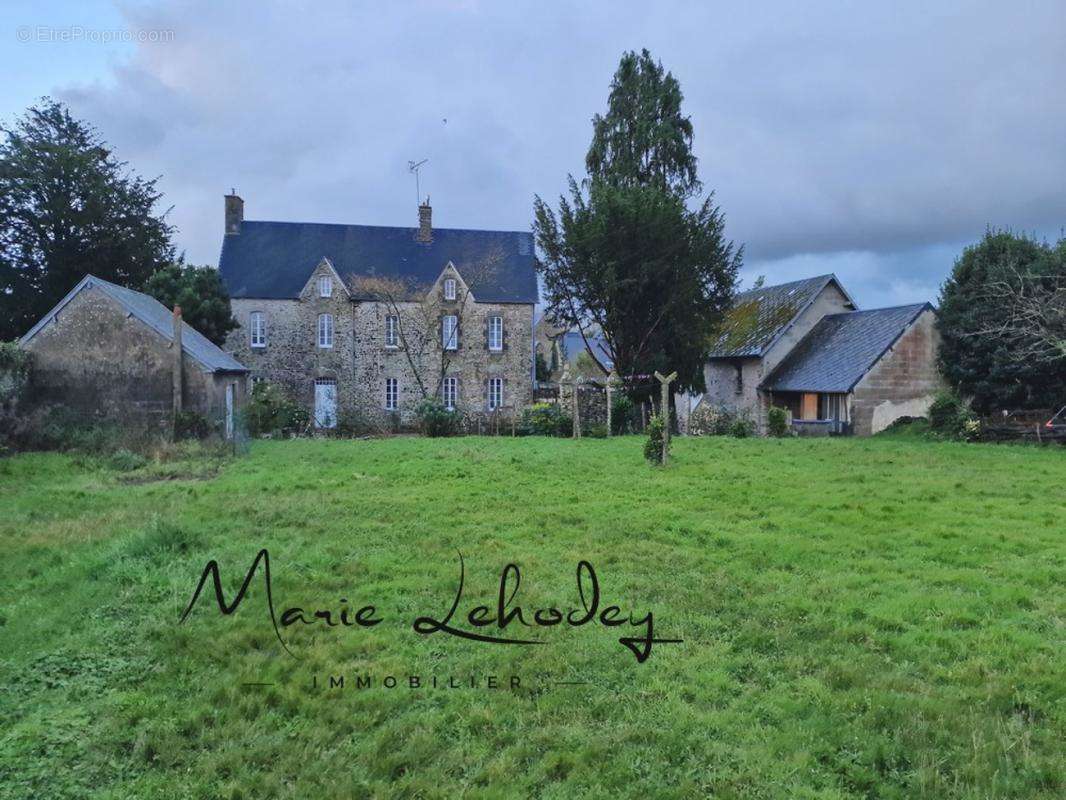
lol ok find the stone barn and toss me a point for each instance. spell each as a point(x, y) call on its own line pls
point(804, 345)
point(109, 351)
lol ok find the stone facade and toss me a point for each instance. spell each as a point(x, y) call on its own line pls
point(733, 383)
point(96, 358)
point(902, 383)
point(360, 360)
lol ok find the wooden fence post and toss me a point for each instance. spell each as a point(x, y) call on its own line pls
point(665, 380)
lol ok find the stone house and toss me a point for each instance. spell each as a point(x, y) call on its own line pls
point(363, 322)
point(109, 351)
point(804, 346)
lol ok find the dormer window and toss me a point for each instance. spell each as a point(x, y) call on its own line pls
point(325, 286)
point(449, 289)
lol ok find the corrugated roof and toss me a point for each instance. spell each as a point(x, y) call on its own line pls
point(157, 317)
point(759, 316)
point(274, 259)
point(840, 349)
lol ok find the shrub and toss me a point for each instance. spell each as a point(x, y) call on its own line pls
point(435, 420)
point(269, 410)
point(623, 411)
point(191, 425)
point(777, 421)
point(742, 427)
point(950, 417)
point(545, 419)
point(598, 431)
point(125, 460)
point(709, 420)
point(14, 375)
point(653, 446)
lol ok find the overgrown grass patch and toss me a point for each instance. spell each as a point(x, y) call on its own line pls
point(861, 618)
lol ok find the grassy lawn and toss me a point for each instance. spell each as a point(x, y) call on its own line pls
point(878, 618)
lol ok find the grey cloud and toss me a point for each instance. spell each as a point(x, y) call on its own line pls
point(868, 137)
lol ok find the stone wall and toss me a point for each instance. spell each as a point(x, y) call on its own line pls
point(903, 383)
point(97, 359)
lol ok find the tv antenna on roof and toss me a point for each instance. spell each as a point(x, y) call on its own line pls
point(413, 166)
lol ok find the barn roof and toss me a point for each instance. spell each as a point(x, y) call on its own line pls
point(758, 317)
point(840, 349)
point(157, 317)
point(274, 259)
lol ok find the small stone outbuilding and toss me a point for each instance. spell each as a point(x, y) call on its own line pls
point(805, 346)
point(108, 351)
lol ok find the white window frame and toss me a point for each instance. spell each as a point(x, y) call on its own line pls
point(325, 331)
point(392, 330)
point(392, 394)
point(496, 334)
point(495, 398)
point(257, 331)
point(449, 392)
point(450, 288)
point(325, 286)
point(449, 339)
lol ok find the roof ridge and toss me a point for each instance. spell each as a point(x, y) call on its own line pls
point(381, 227)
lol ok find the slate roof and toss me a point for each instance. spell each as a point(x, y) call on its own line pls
point(157, 317)
point(840, 349)
point(758, 317)
point(574, 345)
point(274, 259)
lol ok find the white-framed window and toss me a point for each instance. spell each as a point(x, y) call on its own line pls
point(257, 329)
point(325, 286)
point(449, 332)
point(392, 330)
point(495, 333)
point(449, 288)
point(495, 393)
point(449, 391)
point(325, 330)
point(392, 393)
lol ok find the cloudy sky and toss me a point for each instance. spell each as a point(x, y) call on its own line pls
point(873, 142)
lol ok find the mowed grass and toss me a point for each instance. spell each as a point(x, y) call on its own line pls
point(878, 618)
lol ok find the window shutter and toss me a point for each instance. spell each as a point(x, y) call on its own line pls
point(458, 332)
point(504, 332)
point(485, 330)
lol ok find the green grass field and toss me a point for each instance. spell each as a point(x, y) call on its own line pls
point(878, 618)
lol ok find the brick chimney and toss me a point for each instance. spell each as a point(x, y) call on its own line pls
point(234, 213)
point(425, 223)
point(177, 376)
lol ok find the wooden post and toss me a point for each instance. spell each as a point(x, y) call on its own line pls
point(612, 379)
point(665, 380)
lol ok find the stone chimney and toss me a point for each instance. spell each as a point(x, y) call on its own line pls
point(425, 223)
point(177, 376)
point(234, 213)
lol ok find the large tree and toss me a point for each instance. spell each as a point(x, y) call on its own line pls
point(68, 207)
point(1002, 321)
point(634, 251)
point(201, 294)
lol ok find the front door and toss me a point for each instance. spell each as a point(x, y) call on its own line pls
point(325, 403)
